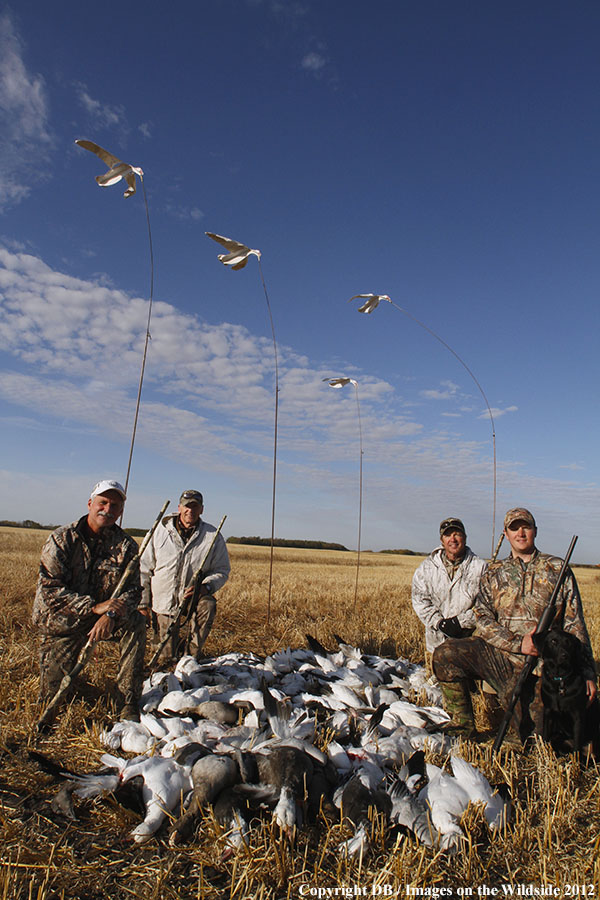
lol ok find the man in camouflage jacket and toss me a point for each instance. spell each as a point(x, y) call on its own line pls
point(513, 594)
point(80, 567)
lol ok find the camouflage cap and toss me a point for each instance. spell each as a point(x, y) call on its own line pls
point(519, 512)
point(189, 497)
point(454, 524)
point(103, 486)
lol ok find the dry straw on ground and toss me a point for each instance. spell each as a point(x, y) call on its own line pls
point(552, 838)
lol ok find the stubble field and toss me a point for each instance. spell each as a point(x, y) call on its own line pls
point(551, 842)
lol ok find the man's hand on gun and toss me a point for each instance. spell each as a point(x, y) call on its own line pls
point(189, 591)
point(528, 648)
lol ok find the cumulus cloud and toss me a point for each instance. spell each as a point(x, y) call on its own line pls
point(74, 348)
point(25, 138)
point(83, 338)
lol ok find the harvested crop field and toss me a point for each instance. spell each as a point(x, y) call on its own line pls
point(551, 841)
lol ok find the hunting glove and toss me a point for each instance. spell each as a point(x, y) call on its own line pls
point(451, 627)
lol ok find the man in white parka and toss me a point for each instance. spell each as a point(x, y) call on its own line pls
point(167, 568)
point(444, 588)
point(445, 585)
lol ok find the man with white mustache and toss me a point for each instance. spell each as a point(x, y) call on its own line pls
point(80, 566)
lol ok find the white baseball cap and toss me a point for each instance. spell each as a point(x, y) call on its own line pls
point(103, 486)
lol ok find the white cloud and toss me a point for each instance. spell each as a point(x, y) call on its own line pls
point(103, 114)
point(449, 392)
point(25, 138)
point(497, 412)
point(145, 129)
point(575, 467)
point(86, 338)
point(77, 344)
point(74, 347)
point(313, 61)
point(184, 213)
point(436, 395)
point(100, 407)
point(12, 244)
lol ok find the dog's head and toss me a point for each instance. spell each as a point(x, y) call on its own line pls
point(559, 650)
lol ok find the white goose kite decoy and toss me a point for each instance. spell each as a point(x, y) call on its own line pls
point(117, 169)
point(238, 254)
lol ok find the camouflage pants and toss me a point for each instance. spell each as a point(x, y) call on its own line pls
point(59, 653)
point(197, 630)
point(459, 659)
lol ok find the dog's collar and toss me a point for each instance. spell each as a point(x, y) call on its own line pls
point(561, 686)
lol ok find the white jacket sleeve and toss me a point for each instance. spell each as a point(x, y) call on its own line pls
point(217, 566)
point(474, 569)
point(424, 603)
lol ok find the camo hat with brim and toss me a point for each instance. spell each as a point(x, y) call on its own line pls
point(189, 497)
point(451, 524)
point(516, 514)
point(103, 486)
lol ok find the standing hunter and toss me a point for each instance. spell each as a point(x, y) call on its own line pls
point(513, 595)
point(168, 565)
point(80, 566)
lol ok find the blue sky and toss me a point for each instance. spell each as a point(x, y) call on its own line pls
point(445, 154)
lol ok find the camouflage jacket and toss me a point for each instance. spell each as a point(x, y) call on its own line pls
point(77, 572)
point(512, 597)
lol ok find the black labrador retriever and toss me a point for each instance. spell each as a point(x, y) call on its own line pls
point(568, 724)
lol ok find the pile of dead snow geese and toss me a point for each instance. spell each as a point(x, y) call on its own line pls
point(240, 732)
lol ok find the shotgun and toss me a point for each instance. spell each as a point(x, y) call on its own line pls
point(48, 714)
point(498, 545)
point(188, 604)
point(530, 662)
